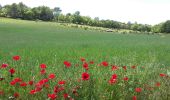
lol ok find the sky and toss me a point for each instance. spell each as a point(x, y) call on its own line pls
point(142, 11)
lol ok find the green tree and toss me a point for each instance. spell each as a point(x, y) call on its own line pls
point(166, 27)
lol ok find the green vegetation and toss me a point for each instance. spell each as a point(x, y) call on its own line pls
point(46, 14)
point(52, 44)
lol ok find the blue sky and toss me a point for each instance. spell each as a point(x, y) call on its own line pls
point(143, 11)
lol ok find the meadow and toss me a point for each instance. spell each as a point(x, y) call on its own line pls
point(76, 64)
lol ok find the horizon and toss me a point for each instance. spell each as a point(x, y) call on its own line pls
point(142, 11)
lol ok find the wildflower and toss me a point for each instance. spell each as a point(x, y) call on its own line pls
point(16, 95)
point(162, 75)
point(158, 84)
point(51, 76)
point(43, 71)
point(12, 71)
point(82, 59)
point(85, 65)
point(23, 84)
point(52, 96)
point(133, 67)
point(65, 95)
point(43, 66)
point(124, 67)
point(114, 67)
point(32, 91)
point(104, 63)
point(16, 58)
point(134, 98)
point(30, 82)
point(61, 82)
point(67, 64)
point(85, 76)
point(138, 89)
point(4, 65)
point(125, 78)
point(91, 62)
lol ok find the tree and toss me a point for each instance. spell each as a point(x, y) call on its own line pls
point(166, 27)
point(56, 12)
point(14, 11)
point(22, 9)
point(46, 13)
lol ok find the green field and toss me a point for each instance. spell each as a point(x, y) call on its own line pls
point(52, 44)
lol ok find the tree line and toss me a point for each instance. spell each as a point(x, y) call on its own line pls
point(44, 13)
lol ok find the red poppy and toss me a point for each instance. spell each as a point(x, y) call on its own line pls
point(12, 83)
point(112, 81)
point(23, 84)
point(43, 71)
point(30, 82)
point(91, 62)
point(125, 78)
point(12, 71)
point(1, 92)
point(85, 76)
point(65, 95)
point(133, 67)
point(158, 84)
point(61, 82)
point(114, 76)
point(16, 57)
point(17, 79)
point(85, 65)
point(67, 64)
point(114, 67)
point(52, 96)
point(32, 91)
point(51, 76)
point(4, 65)
point(104, 63)
point(134, 98)
point(162, 75)
point(43, 66)
point(124, 67)
point(82, 59)
point(16, 95)
point(138, 89)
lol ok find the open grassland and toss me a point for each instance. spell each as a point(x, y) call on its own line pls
point(146, 57)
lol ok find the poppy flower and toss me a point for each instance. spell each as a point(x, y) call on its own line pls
point(67, 64)
point(1, 92)
point(158, 84)
point(32, 91)
point(17, 79)
point(112, 81)
point(30, 82)
point(104, 63)
point(114, 76)
point(52, 96)
point(43, 71)
point(16, 95)
point(85, 76)
point(61, 82)
point(43, 66)
point(133, 67)
point(23, 84)
point(82, 59)
point(51, 76)
point(12, 83)
point(85, 66)
point(12, 71)
point(124, 67)
point(134, 98)
point(125, 78)
point(162, 75)
point(65, 95)
point(16, 58)
point(4, 65)
point(138, 89)
point(91, 62)
point(114, 67)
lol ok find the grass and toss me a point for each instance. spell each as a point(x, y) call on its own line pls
point(52, 44)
